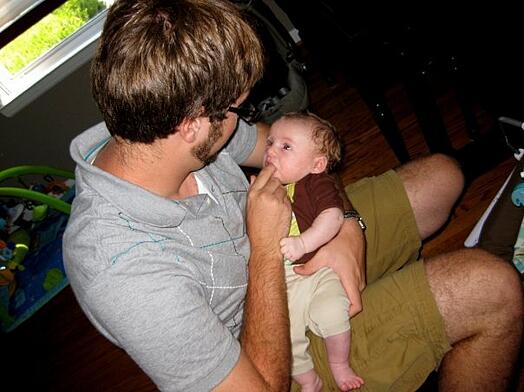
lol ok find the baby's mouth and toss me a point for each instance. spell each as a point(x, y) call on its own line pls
point(270, 162)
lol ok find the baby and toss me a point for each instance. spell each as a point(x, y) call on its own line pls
point(303, 147)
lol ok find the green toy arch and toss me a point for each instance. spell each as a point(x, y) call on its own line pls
point(17, 171)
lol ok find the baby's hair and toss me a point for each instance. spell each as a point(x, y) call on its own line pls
point(324, 136)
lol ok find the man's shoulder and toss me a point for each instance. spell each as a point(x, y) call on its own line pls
point(85, 236)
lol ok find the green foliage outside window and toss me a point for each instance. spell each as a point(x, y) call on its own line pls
point(48, 32)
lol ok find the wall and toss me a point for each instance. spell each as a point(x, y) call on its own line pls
point(40, 133)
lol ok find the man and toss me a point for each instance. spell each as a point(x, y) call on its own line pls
point(175, 258)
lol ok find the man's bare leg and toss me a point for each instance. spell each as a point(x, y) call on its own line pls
point(480, 298)
point(338, 348)
point(433, 185)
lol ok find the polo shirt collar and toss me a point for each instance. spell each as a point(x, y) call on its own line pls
point(132, 200)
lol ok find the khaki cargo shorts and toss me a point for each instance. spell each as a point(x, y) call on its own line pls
point(399, 337)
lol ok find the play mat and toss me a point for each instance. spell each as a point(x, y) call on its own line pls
point(33, 214)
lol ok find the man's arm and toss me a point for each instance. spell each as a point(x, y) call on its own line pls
point(265, 359)
point(255, 159)
point(345, 255)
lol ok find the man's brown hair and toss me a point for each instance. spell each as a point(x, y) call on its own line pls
point(324, 135)
point(161, 61)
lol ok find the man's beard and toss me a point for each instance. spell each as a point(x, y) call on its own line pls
point(202, 151)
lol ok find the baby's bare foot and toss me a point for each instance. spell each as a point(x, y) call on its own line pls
point(345, 377)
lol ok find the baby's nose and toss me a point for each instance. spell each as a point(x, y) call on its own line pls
point(270, 151)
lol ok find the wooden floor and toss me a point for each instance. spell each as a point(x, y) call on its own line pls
point(58, 350)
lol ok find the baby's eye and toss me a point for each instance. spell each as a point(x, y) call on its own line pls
point(286, 146)
point(269, 142)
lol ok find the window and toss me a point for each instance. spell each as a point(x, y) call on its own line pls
point(62, 36)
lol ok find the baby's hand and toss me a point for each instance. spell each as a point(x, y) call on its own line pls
point(292, 248)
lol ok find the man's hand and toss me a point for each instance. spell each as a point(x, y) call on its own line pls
point(292, 248)
point(345, 255)
point(268, 211)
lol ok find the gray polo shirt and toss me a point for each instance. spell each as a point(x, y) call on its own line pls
point(163, 279)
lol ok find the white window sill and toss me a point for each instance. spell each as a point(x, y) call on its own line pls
point(18, 91)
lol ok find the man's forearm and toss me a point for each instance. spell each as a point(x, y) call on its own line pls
point(265, 333)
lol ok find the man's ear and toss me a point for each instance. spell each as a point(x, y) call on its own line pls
point(319, 165)
point(189, 129)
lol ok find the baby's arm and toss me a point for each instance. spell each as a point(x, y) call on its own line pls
point(325, 226)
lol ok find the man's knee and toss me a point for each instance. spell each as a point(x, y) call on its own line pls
point(507, 288)
point(504, 281)
point(433, 184)
point(480, 267)
point(444, 175)
point(474, 285)
point(448, 170)
point(480, 298)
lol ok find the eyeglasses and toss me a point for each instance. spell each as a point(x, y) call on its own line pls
point(246, 112)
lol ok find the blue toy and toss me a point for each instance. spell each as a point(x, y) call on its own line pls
point(517, 196)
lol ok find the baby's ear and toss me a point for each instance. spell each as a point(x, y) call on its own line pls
point(319, 165)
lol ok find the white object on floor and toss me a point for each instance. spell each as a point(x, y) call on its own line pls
point(473, 237)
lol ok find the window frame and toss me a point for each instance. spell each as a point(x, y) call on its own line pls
point(17, 16)
point(20, 89)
